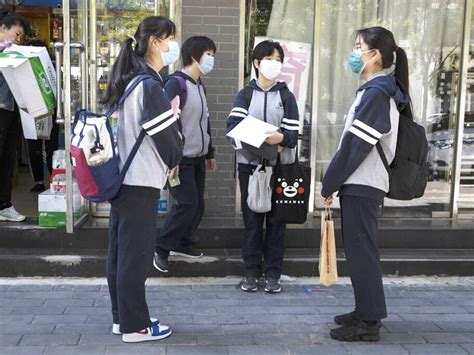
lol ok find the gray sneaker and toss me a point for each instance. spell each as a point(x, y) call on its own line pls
point(249, 284)
point(10, 214)
point(272, 285)
point(160, 263)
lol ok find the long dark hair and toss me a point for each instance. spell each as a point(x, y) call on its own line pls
point(10, 19)
point(382, 39)
point(131, 59)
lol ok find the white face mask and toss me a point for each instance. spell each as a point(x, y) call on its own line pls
point(207, 64)
point(270, 69)
point(172, 55)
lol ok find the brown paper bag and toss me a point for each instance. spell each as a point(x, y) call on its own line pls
point(327, 256)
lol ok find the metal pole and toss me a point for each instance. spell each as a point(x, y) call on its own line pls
point(315, 100)
point(67, 112)
point(58, 53)
point(93, 55)
point(460, 109)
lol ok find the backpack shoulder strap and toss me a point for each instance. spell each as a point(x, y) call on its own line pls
point(128, 91)
point(284, 92)
point(383, 157)
point(248, 93)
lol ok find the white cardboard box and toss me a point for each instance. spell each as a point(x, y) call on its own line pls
point(31, 77)
point(49, 202)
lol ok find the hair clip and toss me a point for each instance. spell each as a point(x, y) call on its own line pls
point(133, 39)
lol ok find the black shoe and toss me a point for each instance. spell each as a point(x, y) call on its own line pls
point(249, 284)
point(160, 263)
point(349, 319)
point(188, 252)
point(361, 331)
point(272, 285)
point(38, 188)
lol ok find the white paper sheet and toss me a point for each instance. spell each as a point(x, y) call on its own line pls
point(252, 131)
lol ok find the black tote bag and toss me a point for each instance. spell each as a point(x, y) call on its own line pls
point(290, 195)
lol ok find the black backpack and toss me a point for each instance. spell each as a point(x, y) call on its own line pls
point(408, 172)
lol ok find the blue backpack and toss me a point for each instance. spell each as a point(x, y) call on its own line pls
point(94, 151)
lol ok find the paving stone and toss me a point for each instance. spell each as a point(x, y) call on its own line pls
point(370, 348)
point(144, 348)
point(9, 339)
point(12, 295)
point(20, 350)
point(402, 338)
point(256, 349)
point(5, 310)
point(22, 302)
point(31, 288)
point(83, 329)
point(60, 319)
point(226, 339)
point(14, 319)
point(50, 294)
point(100, 339)
point(87, 310)
point(249, 328)
point(221, 319)
point(195, 350)
point(254, 310)
point(410, 327)
point(468, 347)
point(81, 288)
point(20, 329)
point(316, 349)
point(279, 339)
point(75, 350)
point(4, 287)
point(90, 294)
point(50, 339)
point(456, 326)
point(193, 310)
point(70, 302)
point(39, 310)
point(293, 310)
point(434, 349)
point(448, 338)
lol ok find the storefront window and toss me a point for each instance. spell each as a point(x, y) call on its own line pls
point(430, 32)
point(292, 26)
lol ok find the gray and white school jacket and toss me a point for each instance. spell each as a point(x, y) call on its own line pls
point(357, 168)
point(267, 106)
point(148, 107)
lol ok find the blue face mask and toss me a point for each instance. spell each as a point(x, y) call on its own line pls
point(207, 64)
point(355, 60)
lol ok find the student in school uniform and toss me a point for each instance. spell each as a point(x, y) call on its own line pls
point(271, 101)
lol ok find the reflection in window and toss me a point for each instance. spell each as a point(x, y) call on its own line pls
point(430, 32)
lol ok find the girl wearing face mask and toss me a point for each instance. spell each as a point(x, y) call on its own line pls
point(272, 102)
point(358, 173)
point(146, 113)
point(187, 92)
point(12, 29)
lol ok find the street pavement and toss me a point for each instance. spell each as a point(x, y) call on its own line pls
point(212, 316)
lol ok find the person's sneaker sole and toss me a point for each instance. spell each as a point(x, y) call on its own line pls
point(5, 219)
point(379, 323)
point(158, 268)
point(141, 338)
point(248, 289)
point(177, 253)
point(273, 291)
point(368, 338)
point(116, 327)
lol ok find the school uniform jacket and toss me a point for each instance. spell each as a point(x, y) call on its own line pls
point(357, 168)
point(193, 117)
point(267, 106)
point(148, 108)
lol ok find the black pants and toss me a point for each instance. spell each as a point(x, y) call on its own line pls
point(186, 215)
point(9, 127)
point(132, 230)
point(254, 245)
point(35, 153)
point(359, 216)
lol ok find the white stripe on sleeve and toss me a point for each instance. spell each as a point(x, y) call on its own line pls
point(158, 119)
point(290, 128)
point(290, 121)
point(162, 126)
point(362, 135)
point(367, 128)
point(239, 109)
point(237, 114)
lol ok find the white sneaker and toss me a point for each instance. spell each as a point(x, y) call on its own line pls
point(116, 327)
point(10, 214)
point(155, 332)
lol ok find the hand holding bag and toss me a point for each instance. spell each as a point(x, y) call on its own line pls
point(327, 256)
point(259, 199)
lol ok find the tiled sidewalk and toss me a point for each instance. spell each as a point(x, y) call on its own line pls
point(214, 317)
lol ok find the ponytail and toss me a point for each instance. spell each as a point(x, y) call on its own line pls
point(130, 61)
point(402, 78)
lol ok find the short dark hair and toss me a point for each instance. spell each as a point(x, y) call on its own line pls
point(10, 19)
point(265, 49)
point(194, 47)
